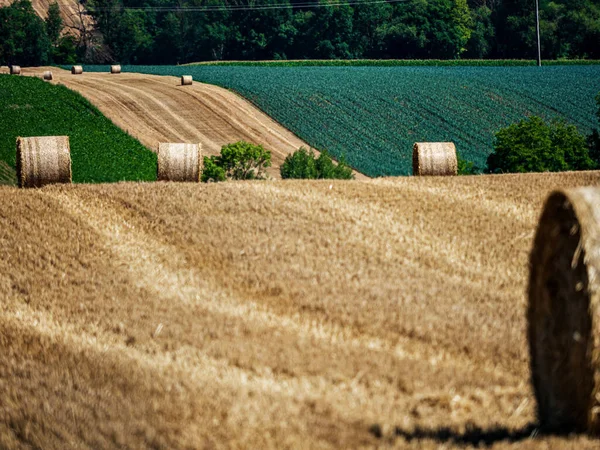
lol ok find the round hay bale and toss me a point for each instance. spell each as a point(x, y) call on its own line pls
point(76, 70)
point(179, 162)
point(563, 315)
point(186, 80)
point(15, 70)
point(47, 75)
point(43, 160)
point(434, 158)
point(115, 69)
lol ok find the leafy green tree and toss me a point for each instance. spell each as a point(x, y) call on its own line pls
point(534, 146)
point(54, 23)
point(238, 161)
point(594, 139)
point(482, 36)
point(23, 37)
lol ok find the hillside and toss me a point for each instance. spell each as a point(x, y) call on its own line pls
point(373, 115)
point(157, 109)
point(100, 152)
point(271, 314)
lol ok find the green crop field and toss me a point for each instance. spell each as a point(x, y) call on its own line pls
point(373, 115)
point(100, 151)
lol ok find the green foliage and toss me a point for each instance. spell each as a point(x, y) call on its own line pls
point(374, 115)
point(466, 167)
point(532, 145)
point(594, 138)
point(23, 37)
point(305, 165)
point(212, 171)
point(238, 161)
point(100, 151)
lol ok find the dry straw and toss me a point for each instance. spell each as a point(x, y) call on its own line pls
point(434, 158)
point(564, 313)
point(43, 160)
point(179, 162)
point(47, 75)
point(186, 80)
point(115, 69)
point(76, 70)
point(15, 70)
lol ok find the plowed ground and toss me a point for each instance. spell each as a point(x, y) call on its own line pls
point(157, 109)
point(270, 314)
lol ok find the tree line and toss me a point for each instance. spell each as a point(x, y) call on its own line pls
point(165, 32)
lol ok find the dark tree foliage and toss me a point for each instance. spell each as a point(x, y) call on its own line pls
point(535, 146)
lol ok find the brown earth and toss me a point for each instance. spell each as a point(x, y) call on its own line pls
point(386, 312)
point(157, 109)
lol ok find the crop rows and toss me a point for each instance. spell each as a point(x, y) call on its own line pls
point(373, 115)
point(100, 151)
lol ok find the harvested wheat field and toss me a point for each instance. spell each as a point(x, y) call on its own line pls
point(158, 109)
point(297, 314)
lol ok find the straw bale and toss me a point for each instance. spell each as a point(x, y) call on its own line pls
point(47, 75)
point(563, 314)
point(179, 162)
point(434, 158)
point(15, 70)
point(115, 69)
point(186, 80)
point(77, 70)
point(43, 160)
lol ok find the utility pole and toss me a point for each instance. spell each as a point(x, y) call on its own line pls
point(537, 26)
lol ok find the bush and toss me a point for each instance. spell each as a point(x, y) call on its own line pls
point(239, 161)
point(466, 167)
point(212, 171)
point(305, 165)
point(535, 146)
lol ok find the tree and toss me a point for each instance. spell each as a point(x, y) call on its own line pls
point(305, 165)
point(238, 161)
point(594, 139)
point(23, 37)
point(534, 146)
point(54, 23)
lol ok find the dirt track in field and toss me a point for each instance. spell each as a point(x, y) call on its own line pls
point(157, 109)
point(273, 314)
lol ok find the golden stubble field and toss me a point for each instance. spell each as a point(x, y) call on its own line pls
point(296, 314)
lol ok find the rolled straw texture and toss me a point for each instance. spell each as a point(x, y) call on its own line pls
point(563, 315)
point(186, 80)
point(115, 69)
point(47, 75)
point(15, 70)
point(43, 160)
point(434, 158)
point(76, 70)
point(179, 162)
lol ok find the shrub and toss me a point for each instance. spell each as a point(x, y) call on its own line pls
point(466, 167)
point(535, 146)
point(212, 171)
point(238, 161)
point(304, 164)
point(594, 139)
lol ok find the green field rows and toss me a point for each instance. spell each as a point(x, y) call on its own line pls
point(100, 151)
point(373, 115)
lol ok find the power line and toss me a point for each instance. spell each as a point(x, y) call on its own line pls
point(243, 7)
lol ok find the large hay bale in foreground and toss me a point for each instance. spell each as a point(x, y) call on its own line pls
point(186, 80)
point(179, 162)
point(47, 75)
point(564, 313)
point(43, 160)
point(15, 70)
point(434, 158)
point(77, 70)
point(115, 69)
